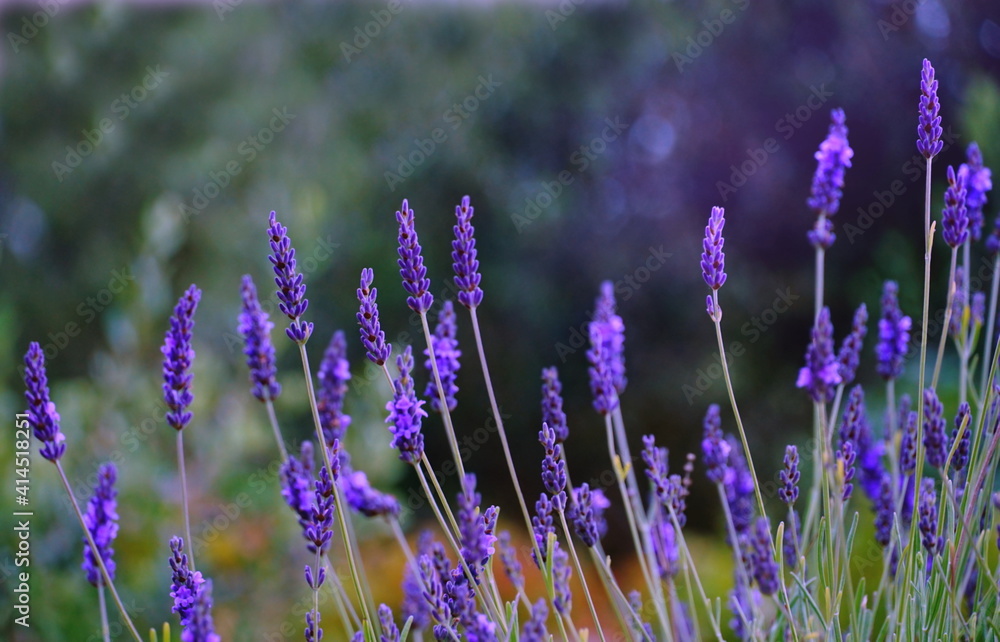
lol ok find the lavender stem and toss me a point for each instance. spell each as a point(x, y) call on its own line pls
point(988, 337)
point(184, 498)
point(947, 320)
point(579, 572)
point(105, 630)
point(273, 420)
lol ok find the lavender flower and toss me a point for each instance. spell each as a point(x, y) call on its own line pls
point(929, 130)
point(552, 404)
point(739, 487)
point(42, 415)
point(713, 259)
point(961, 456)
point(884, 511)
point(935, 440)
point(101, 519)
point(414, 605)
point(411, 262)
point(979, 182)
point(765, 569)
point(601, 370)
point(584, 518)
point(929, 518)
point(297, 482)
point(553, 467)
point(446, 353)
point(433, 591)
point(255, 328)
point(406, 412)
point(543, 526)
point(993, 240)
point(850, 349)
point(714, 446)
point(534, 629)
point(476, 529)
point(789, 476)
point(978, 311)
point(908, 445)
point(463, 255)
point(669, 490)
point(372, 336)
point(508, 557)
point(833, 158)
point(893, 334)
point(200, 627)
point(334, 372)
point(821, 374)
point(612, 330)
point(390, 632)
point(177, 359)
point(955, 216)
point(359, 495)
point(185, 584)
point(846, 458)
point(291, 287)
point(562, 571)
point(665, 550)
point(319, 525)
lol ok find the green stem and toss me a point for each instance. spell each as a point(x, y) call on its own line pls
point(988, 342)
point(579, 572)
point(445, 413)
point(105, 630)
point(273, 419)
point(184, 498)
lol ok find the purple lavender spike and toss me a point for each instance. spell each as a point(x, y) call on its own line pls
point(319, 524)
point(765, 569)
point(601, 369)
point(935, 439)
point(101, 520)
point(390, 632)
point(789, 476)
point(821, 236)
point(42, 415)
point(821, 374)
point(908, 445)
point(543, 525)
point(562, 571)
point(372, 336)
point(850, 351)
point(928, 523)
point(847, 457)
point(739, 487)
point(414, 605)
point(884, 510)
point(996, 505)
point(792, 539)
point(411, 262)
point(463, 255)
point(612, 330)
point(552, 404)
point(447, 354)
point(893, 334)
point(438, 608)
point(359, 495)
point(178, 356)
point(508, 557)
point(993, 240)
point(929, 130)
point(955, 217)
point(978, 183)
point(669, 490)
point(978, 308)
point(833, 158)
point(476, 532)
point(406, 412)
point(584, 518)
point(713, 259)
point(665, 550)
point(201, 628)
point(291, 287)
point(185, 584)
point(961, 456)
point(334, 373)
point(553, 467)
point(255, 328)
point(714, 446)
point(297, 481)
point(534, 629)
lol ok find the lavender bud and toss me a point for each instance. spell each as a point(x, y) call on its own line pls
point(765, 569)
point(42, 415)
point(562, 571)
point(185, 584)
point(411, 262)
point(961, 456)
point(177, 359)
point(553, 467)
point(446, 353)
point(463, 255)
point(334, 373)
point(508, 557)
point(884, 511)
point(552, 404)
point(372, 336)
point(929, 130)
point(955, 216)
point(833, 158)
point(714, 446)
point(929, 518)
point(935, 440)
point(406, 412)
point(821, 374)
point(291, 287)
point(850, 351)
point(713, 259)
point(101, 519)
point(908, 445)
point(978, 183)
point(390, 632)
point(200, 627)
point(789, 476)
point(534, 629)
point(584, 518)
point(893, 334)
point(255, 328)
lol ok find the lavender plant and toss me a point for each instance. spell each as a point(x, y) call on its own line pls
point(933, 539)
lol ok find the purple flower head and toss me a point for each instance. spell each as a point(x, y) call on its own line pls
point(584, 518)
point(884, 511)
point(508, 557)
point(789, 476)
point(553, 467)
point(665, 550)
point(668, 488)
point(414, 605)
point(929, 130)
point(476, 529)
point(978, 308)
point(42, 415)
point(552, 404)
point(292, 299)
point(893, 334)
point(315, 581)
point(846, 458)
point(935, 439)
point(714, 446)
point(390, 632)
point(612, 330)
point(319, 525)
point(359, 495)
point(850, 349)
point(955, 216)
point(255, 328)
point(543, 525)
point(821, 236)
point(821, 374)
point(534, 629)
point(297, 482)
point(977, 184)
point(463, 255)
point(739, 487)
point(200, 628)
point(446, 353)
point(177, 359)
point(961, 456)
point(101, 520)
point(406, 412)
point(927, 510)
point(433, 591)
point(185, 584)
point(334, 372)
point(833, 158)
point(562, 571)
point(601, 369)
point(372, 336)
point(713, 259)
point(908, 445)
point(411, 262)
point(765, 569)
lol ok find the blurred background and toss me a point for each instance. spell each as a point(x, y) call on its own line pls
point(142, 146)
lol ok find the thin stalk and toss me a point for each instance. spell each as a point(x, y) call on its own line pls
point(820, 256)
point(579, 572)
point(105, 630)
point(947, 320)
point(273, 419)
point(988, 342)
point(500, 429)
point(445, 414)
point(614, 592)
point(682, 541)
point(348, 616)
point(184, 498)
point(316, 590)
point(97, 557)
point(963, 372)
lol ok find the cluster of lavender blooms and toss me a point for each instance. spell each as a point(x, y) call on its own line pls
point(932, 527)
